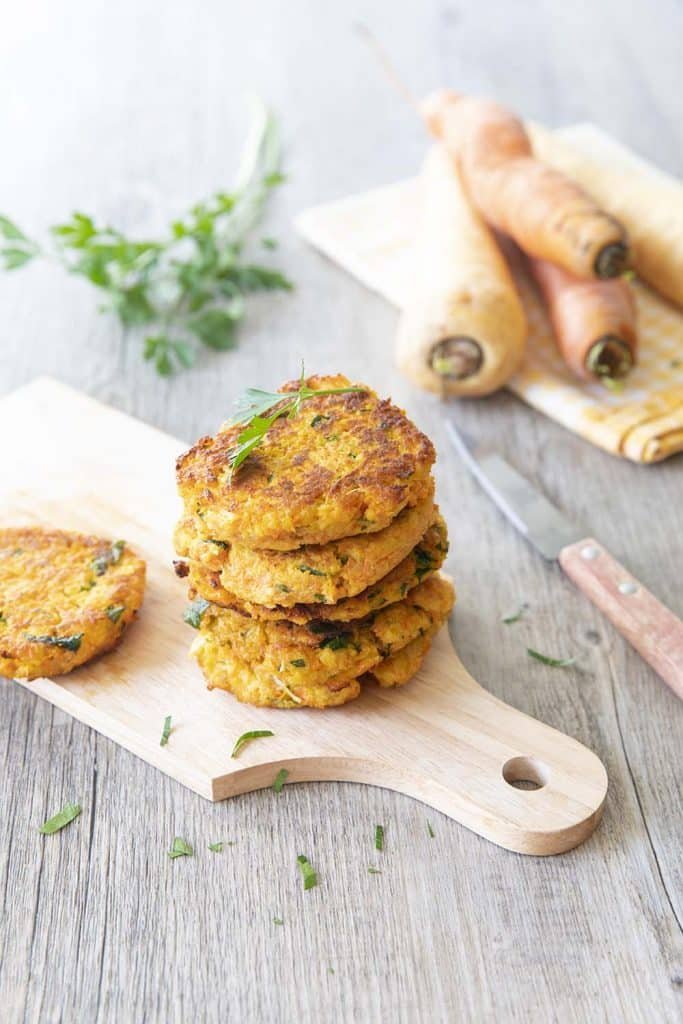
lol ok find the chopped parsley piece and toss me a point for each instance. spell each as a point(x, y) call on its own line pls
point(430, 830)
point(166, 731)
point(309, 876)
point(553, 662)
point(254, 734)
point(423, 563)
point(320, 418)
point(90, 585)
point(115, 611)
point(374, 871)
point(216, 847)
point(515, 616)
point(379, 837)
point(219, 543)
point(339, 642)
point(278, 920)
point(180, 848)
point(3, 620)
point(194, 612)
point(298, 663)
point(310, 570)
point(280, 780)
point(68, 643)
point(60, 819)
point(102, 563)
point(343, 559)
point(320, 598)
point(281, 587)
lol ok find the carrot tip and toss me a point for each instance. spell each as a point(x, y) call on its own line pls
point(609, 358)
point(456, 358)
point(611, 260)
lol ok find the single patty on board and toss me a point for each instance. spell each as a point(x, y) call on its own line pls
point(424, 560)
point(313, 574)
point(64, 598)
point(286, 665)
point(344, 465)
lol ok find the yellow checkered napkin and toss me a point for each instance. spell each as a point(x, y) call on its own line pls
point(370, 235)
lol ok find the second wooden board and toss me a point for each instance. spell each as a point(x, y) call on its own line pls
point(443, 739)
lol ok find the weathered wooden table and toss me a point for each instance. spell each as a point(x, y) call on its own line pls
point(133, 111)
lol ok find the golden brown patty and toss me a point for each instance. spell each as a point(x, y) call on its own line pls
point(424, 560)
point(344, 465)
point(64, 598)
point(287, 665)
point(314, 574)
point(399, 668)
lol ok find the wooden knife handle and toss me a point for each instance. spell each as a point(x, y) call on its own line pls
point(648, 625)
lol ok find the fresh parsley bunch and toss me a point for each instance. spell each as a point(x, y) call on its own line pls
point(189, 288)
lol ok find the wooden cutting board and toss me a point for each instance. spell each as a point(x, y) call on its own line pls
point(76, 464)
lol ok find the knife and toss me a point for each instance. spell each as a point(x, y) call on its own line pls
point(649, 626)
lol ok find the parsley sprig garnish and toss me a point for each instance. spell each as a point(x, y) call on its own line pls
point(257, 411)
point(188, 288)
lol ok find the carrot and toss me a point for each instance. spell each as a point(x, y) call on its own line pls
point(594, 321)
point(648, 202)
point(463, 329)
point(546, 213)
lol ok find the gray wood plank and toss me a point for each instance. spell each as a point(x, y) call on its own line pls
point(133, 112)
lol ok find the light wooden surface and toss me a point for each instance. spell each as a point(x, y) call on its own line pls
point(132, 111)
point(444, 739)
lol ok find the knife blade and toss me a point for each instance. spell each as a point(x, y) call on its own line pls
point(649, 626)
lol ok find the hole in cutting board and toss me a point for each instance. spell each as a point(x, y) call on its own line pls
point(525, 773)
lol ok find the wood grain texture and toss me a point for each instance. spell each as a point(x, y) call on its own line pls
point(132, 111)
point(444, 740)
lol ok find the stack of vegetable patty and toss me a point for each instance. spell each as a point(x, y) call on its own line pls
point(313, 562)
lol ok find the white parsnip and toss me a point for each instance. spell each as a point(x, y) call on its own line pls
point(463, 329)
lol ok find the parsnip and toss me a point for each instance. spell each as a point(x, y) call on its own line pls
point(462, 331)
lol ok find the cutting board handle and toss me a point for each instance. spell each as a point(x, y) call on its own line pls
point(446, 741)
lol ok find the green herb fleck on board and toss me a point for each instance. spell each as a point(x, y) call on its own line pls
point(515, 616)
point(194, 612)
point(374, 871)
point(379, 837)
point(166, 731)
point(280, 780)
point(60, 819)
point(246, 737)
point(309, 876)
point(553, 662)
point(180, 848)
point(68, 643)
point(278, 920)
point(216, 847)
point(430, 830)
point(115, 611)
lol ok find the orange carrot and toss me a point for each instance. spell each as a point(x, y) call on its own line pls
point(594, 321)
point(546, 213)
